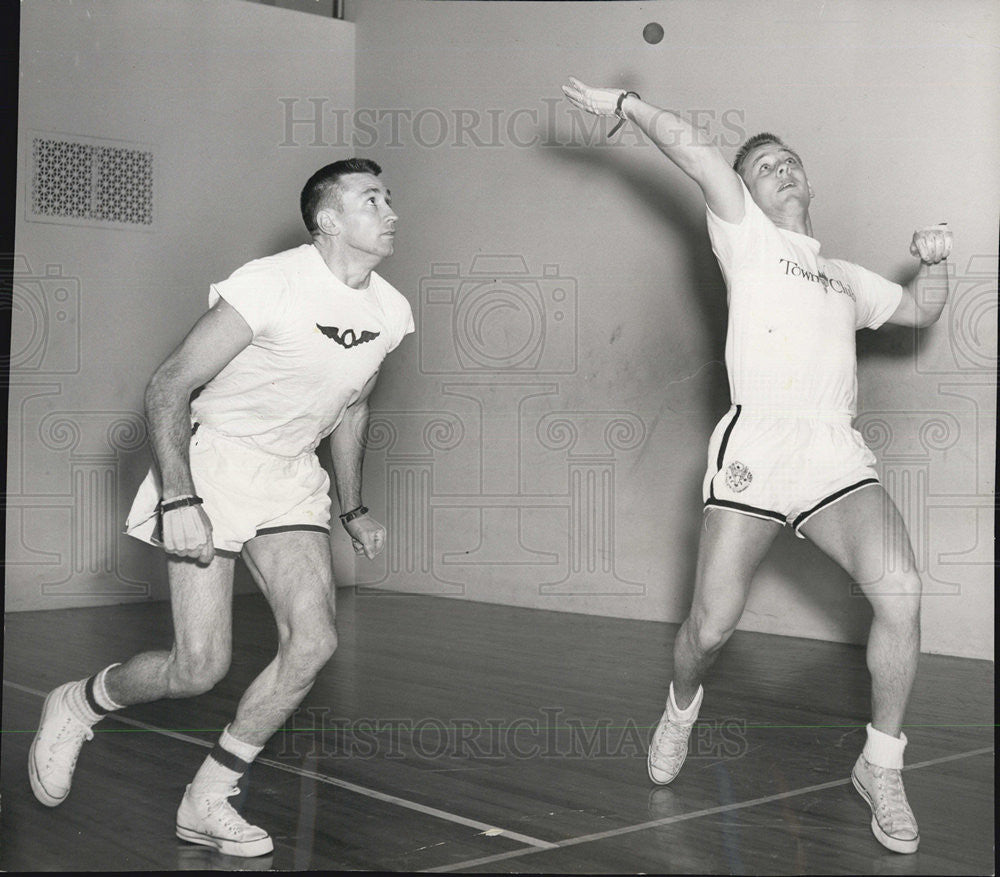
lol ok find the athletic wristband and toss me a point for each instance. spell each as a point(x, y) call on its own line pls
point(618, 109)
point(353, 513)
point(164, 499)
point(179, 503)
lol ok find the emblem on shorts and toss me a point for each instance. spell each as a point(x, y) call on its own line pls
point(738, 476)
point(348, 338)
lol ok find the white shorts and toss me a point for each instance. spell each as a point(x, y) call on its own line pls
point(247, 492)
point(785, 468)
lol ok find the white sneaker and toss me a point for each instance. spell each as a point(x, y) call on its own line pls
point(57, 744)
point(668, 749)
point(893, 822)
point(210, 819)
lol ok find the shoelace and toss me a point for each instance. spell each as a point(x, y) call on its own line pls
point(72, 732)
point(221, 809)
point(892, 798)
point(671, 738)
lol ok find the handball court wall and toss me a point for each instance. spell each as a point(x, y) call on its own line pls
point(199, 86)
point(556, 407)
point(540, 442)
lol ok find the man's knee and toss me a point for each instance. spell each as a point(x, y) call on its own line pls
point(709, 633)
point(309, 648)
point(198, 670)
point(896, 597)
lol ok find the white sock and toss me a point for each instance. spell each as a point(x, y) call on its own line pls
point(100, 691)
point(76, 700)
point(223, 767)
point(884, 750)
point(88, 699)
point(688, 714)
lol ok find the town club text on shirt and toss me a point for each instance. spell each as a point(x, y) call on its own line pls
point(796, 270)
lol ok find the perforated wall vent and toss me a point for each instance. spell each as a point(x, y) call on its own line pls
point(91, 182)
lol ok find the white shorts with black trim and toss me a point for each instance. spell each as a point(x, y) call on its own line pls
point(246, 492)
point(785, 468)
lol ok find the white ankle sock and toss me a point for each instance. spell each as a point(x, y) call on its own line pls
point(689, 713)
point(88, 699)
point(76, 700)
point(101, 691)
point(228, 761)
point(247, 751)
point(884, 750)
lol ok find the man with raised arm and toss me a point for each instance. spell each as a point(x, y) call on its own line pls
point(786, 451)
point(286, 355)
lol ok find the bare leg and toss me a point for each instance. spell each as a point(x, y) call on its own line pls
point(201, 604)
point(865, 534)
point(200, 600)
point(731, 548)
point(294, 571)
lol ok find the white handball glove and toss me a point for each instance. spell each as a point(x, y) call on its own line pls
point(599, 101)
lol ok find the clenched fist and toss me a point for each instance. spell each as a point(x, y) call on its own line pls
point(931, 244)
point(187, 532)
point(367, 535)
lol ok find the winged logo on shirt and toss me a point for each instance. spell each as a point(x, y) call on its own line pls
point(348, 338)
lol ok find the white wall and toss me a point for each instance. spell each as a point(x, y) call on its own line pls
point(200, 83)
point(894, 108)
point(571, 479)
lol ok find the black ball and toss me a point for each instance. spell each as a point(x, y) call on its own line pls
point(652, 33)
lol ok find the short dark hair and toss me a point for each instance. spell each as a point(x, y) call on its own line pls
point(324, 183)
point(751, 144)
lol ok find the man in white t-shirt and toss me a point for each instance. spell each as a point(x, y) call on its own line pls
point(286, 355)
point(786, 452)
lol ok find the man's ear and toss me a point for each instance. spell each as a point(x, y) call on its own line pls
point(812, 194)
point(326, 221)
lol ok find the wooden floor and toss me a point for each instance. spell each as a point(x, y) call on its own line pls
point(454, 736)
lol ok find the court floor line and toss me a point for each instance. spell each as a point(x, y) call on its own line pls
point(696, 814)
point(532, 842)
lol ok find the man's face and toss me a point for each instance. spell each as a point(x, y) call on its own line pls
point(775, 178)
point(365, 218)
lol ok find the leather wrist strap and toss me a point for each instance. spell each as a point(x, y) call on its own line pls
point(180, 503)
point(353, 513)
point(618, 109)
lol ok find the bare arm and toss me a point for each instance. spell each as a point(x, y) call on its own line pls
point(214, 340)
point(347, 449)
point(688, 146)
point(925, 295)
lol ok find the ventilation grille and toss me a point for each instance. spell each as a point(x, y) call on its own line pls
point(76, 181)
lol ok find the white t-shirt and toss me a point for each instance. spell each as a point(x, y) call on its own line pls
point(316, 342)
point(793, 316)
